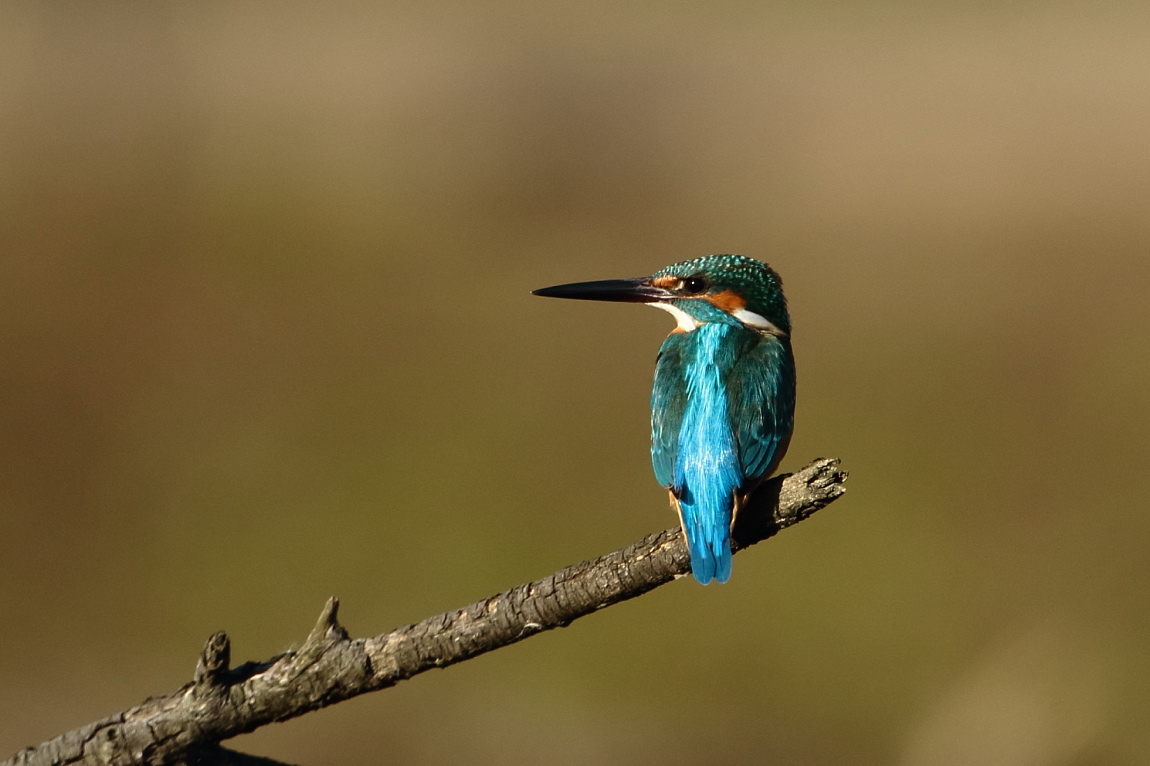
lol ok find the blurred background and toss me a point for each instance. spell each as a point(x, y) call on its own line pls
point(266, 336)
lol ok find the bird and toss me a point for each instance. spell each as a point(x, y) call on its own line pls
point(723, 397)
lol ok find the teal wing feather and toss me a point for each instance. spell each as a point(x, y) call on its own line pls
point(761, 395)
point(668, 400)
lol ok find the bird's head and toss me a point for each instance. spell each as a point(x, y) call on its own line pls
point(732, 289)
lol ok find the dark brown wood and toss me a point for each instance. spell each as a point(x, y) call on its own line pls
point(186, 726)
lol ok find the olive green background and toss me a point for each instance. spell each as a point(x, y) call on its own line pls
point(266, 336)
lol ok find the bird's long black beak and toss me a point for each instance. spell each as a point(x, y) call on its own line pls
point(626, 290)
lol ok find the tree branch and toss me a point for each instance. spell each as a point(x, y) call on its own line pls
point(186, 726)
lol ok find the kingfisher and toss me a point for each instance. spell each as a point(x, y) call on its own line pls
point(723, 399)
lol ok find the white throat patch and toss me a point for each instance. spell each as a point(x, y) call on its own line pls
point(686, 322)
point(749, 319)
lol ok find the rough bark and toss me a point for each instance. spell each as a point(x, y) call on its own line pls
point(186, 726)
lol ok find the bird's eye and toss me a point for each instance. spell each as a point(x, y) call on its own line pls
point(694, 285)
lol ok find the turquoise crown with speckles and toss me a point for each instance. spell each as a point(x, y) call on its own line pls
point(753, 281)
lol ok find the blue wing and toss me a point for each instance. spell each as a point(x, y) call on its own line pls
point(761, 394)
point(668, 400)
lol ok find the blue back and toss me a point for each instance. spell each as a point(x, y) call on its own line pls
point(721, 414)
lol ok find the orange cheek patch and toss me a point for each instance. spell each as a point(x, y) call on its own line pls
point(726, 300)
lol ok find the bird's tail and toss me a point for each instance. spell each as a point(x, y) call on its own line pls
point(706, 524)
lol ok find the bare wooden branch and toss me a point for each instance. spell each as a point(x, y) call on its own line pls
point(186, 726)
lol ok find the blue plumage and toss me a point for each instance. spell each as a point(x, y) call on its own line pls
point(706, 469)
point(722, 404)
